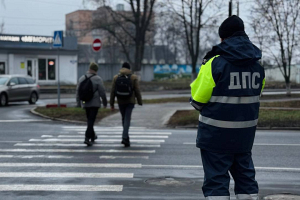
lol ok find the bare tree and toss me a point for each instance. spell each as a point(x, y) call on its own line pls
point(129, 28)
point(192, 14)
point(279, 23)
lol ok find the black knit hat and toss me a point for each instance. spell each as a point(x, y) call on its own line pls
point(126, 65)
point(230, 26)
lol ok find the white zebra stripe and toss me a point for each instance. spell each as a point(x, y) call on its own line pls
point(84, 145)
point(77, 150)
point(64, 175)
point(80, 188)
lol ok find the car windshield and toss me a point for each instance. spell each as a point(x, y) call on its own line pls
point(3, 80)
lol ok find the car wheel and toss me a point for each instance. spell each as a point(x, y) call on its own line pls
point(3, 100)
point(33, 98)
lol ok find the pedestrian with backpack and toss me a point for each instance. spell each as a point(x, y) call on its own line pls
point(126, 88)
point(89, 90)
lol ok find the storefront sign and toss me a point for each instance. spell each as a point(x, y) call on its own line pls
point(26, 39)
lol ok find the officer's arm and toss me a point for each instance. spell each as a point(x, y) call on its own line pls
point(202, 87)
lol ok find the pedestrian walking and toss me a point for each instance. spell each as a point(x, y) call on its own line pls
point(126, 88)
point(227, 92)
point(89, 90)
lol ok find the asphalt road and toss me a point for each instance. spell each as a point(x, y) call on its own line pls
point(47, 160)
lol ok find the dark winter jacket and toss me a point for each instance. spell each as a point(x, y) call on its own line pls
point(136, 89)
point(227, 93)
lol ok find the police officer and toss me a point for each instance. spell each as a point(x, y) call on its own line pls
point(226, 92)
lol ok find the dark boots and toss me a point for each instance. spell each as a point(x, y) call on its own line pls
point(87, 142)
point(126, 142)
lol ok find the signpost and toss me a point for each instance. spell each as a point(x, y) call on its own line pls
point(97, 44)
point(58, 43)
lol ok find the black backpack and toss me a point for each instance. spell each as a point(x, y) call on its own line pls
point(86, 91)
point(123, 87)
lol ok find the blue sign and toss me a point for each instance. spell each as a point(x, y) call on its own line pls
point(58, 39)
point(173, 71)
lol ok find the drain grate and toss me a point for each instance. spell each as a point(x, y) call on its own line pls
point(169, 181)
point(282, 197)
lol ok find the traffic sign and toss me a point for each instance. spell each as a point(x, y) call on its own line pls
point(97, 44)
point(58, 39)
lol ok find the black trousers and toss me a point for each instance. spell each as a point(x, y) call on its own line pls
point(216, 177)
point(126, 110)
point(91, 114)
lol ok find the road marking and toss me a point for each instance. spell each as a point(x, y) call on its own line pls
point(98, 127)
point(24, 120)
point(36, 156)
point(80, 188)
point(47, 136)
point(64, 175)
point(111, 136)
point(102, 140)
point(72, 165)
point(272, 169)
point(84, 145)
point(124, 157)
point(77, 151)
point(255, 144)
point(132, 133)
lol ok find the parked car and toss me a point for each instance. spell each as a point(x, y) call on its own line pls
point(18, 88)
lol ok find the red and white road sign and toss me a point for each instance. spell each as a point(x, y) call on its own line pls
point(97, 44)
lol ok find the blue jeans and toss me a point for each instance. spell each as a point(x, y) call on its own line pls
point(216, 177)
point(126, 110)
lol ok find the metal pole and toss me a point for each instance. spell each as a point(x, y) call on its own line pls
point(58, 80)
point(230, 8)
point(238, 8)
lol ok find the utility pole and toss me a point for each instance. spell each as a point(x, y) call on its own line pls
point(238, 8)
point(230, 8)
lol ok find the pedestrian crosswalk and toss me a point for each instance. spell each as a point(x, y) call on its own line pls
point(48, 156)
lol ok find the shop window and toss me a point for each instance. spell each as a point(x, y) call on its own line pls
point(47, 69)
point(51, 69)
point(42, 69)
point(2, 67)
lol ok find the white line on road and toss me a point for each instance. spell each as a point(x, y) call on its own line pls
point(73, 165)
point(102, 140)
point(64, 175)
point(84, 145)
point(80, 188)
point(124, 157)
point(111, 136)
point(35, 156)
point(77, 151)
point(255, 144)
point(24, 120)
point(47, 136)
point(272, 169)
point(133, 133)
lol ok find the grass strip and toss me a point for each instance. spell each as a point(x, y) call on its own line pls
point(75, 114)
point(267, 118)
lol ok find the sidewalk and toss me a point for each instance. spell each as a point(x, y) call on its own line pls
point(149, 115)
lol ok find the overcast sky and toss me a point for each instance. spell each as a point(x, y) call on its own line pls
point(43, 17)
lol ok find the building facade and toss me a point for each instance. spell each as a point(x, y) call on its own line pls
point(34, 56)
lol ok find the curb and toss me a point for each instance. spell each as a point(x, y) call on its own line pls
point(258, 128)
point(53, 118)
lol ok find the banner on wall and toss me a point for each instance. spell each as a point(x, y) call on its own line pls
point(173, 71)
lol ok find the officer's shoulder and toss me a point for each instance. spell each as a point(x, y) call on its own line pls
point(206, 60)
